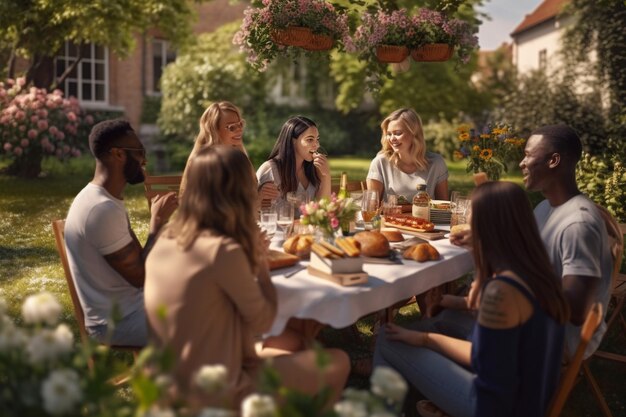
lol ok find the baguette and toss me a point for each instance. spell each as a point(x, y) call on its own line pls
point(332, 248)
point(322, 251)
point(348, 247)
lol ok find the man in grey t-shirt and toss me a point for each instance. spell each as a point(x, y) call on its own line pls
point(571, 227)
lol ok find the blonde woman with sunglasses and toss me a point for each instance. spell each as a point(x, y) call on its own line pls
point(221, 123)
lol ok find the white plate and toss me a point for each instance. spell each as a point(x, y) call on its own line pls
point(439, 202)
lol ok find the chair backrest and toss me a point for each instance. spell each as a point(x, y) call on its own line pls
point(615, 232)
point(568, 378)
point(160, 184)
point(58, 226)
point(350, 186)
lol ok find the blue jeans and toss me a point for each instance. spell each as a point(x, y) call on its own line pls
point(447, 384)
point(132, 330)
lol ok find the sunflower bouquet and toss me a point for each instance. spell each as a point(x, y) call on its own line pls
point(489, 151)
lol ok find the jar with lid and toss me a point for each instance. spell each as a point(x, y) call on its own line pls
point(421, 203)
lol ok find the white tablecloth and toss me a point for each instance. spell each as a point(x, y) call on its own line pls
point(305, 296)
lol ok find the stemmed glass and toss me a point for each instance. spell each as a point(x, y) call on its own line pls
point(369, 206)
point(285, 213)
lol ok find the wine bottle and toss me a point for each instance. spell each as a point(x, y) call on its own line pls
point(343, 186)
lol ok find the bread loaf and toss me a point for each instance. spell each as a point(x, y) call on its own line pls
point(421, 252)
point(298, 245)
point(392, 235)
point(373, 244)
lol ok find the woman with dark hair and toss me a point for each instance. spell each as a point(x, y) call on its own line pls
point(294, 165)
point(511, 365)
point(208, 292)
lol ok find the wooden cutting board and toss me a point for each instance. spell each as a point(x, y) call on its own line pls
point(278, 259)
point(432, 235)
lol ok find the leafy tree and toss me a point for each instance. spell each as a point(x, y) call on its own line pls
point(207, 70)
point(599, 27)
point(37, 29)
point(431, 88)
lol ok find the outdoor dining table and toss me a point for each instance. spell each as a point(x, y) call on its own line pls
point(304, 296)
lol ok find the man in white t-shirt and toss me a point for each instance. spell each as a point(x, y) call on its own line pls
point(105, 256)
point(571, 227)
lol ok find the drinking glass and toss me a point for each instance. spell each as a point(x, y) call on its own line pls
point(459, 210)
point(391, 207)
point(284, 215)
point(268, 222)
point(369, 206)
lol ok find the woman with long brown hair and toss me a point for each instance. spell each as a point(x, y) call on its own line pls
point(208, 292)
point(511, 365)
point(295, 165)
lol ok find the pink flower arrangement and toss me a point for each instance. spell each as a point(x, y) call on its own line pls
point(401, 29)
point(328, 214)
point(383, 28)
point(255, 35)
point(34, 122)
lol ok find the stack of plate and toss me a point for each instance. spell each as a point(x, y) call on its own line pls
point(440, 215)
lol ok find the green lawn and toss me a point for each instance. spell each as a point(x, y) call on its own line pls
point(29, 262)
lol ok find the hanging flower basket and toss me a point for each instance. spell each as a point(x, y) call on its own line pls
point(319, 43)
point(292, 36)
point(391, 53)
point(434, 52)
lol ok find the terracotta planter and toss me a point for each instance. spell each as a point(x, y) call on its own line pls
point(319, 43)
point(391, 53)
point(434, 52)
point(292, 36)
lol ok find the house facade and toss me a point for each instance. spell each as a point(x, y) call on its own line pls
point(537, 39)
point(105, 81)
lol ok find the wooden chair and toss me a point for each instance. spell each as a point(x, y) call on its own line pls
point(58, 226)
point(351, 186)
point(160, 184)
point(568, 377)
point(615, 233)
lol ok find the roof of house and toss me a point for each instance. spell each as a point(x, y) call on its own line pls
point(547, 10)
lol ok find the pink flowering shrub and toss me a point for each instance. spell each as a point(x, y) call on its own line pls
point(255, 36)
point(35, 123)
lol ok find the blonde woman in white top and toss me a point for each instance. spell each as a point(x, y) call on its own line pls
point(403, 161)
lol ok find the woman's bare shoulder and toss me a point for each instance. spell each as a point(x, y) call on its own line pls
point(503, 306)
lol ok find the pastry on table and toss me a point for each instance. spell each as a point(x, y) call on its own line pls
point(421, 252)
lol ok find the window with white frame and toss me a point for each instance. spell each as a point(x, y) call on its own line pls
point(162, 54)
point(543, 59)
point(89, 80)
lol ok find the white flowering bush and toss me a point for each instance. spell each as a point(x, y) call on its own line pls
point(35, 123)
point(42, 373)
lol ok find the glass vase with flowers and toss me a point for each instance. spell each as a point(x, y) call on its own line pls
point(329, 214)
point(489, 151)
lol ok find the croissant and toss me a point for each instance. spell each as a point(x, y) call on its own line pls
point(421, 252)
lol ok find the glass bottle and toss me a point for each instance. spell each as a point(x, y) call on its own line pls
point(343, 186)
point(421, 203)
